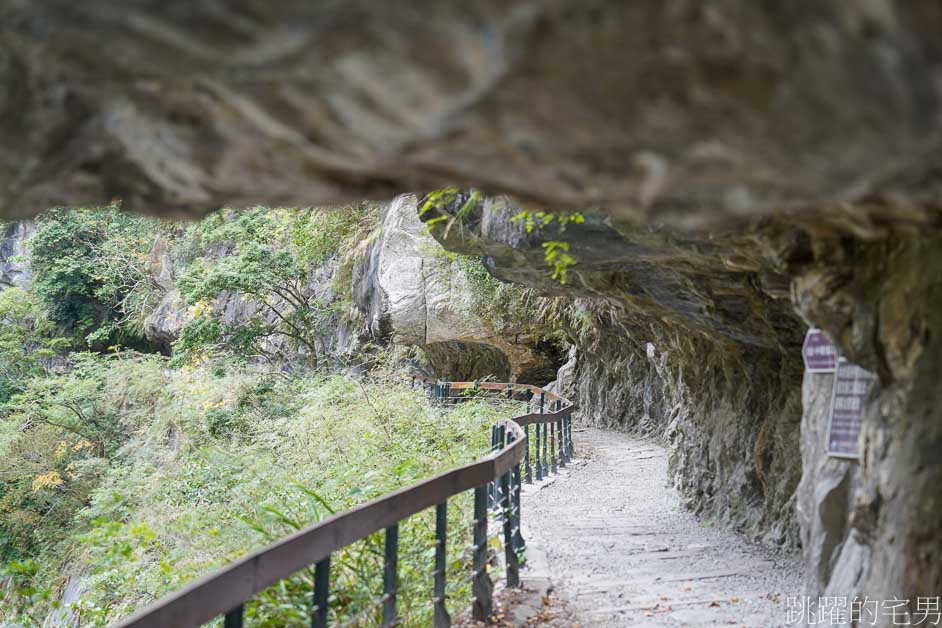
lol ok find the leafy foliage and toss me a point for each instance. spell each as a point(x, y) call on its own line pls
point(91, 272)
point(271, 256)
point(60, 431)
point(557, 255)
point(544, 219)
point(460, 202)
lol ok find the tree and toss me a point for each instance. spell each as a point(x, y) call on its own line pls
point(91, 272)
point(269, 259)
point(275, 282)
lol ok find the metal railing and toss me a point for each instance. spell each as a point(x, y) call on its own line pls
point(495, 479)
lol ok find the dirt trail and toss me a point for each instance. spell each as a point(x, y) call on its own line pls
point(612, 536)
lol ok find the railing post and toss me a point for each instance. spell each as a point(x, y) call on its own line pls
point(390, 575)
point(501, 442)
point(510, 553)
point(321, 593)
point(492, 485)
point(572, 447)
point(566, 439)
point(442, 620)
point(552, 439)
point(567, 423)
point(562, 442)
point(234, 618)
point(539, 463)
point(546, 467)
point(526, 433)
point(516, 487)
point(481, 586)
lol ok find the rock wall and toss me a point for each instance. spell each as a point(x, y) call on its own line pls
point(696, 340)
point(14, 269)
point(665, 331)
point(826, 487)
point(680, 113)
point(878, 297)
point(733, 440)
point(410, 292)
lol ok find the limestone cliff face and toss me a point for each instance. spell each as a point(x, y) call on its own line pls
point(14, 269)
point(696, 339)
point(410, 292)
point(878, 298)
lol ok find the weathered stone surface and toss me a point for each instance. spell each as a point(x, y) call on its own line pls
point(676, 113)
point(14, 271)
point(695, 340)
point(162, 327)
point(667, 330)
point(410, 292)
point(823, 497)
point(879, 299)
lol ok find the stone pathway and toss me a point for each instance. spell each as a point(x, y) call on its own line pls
point(619, 549)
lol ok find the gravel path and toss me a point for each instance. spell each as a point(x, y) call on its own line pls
point(620, 549)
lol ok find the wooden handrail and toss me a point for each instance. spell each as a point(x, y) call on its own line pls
point(225, 589)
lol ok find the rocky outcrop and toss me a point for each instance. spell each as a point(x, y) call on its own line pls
point(163, 325)
point(410, 292)
point(14, 269)
point(679, 113)
point(696, 340)
point(665, 329)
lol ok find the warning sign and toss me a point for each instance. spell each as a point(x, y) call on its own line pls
point(819, 353)
point(852, 386)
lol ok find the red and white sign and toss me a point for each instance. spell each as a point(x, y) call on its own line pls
point(819, 352)
point(852, 386)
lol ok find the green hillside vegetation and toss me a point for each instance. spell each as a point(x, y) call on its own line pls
point(125, 473)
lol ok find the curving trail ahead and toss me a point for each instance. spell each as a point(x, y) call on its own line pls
point(611, 535)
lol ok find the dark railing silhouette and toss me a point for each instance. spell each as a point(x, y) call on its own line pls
point(495, 479)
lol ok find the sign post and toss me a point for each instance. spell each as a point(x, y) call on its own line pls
point(852, 386)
